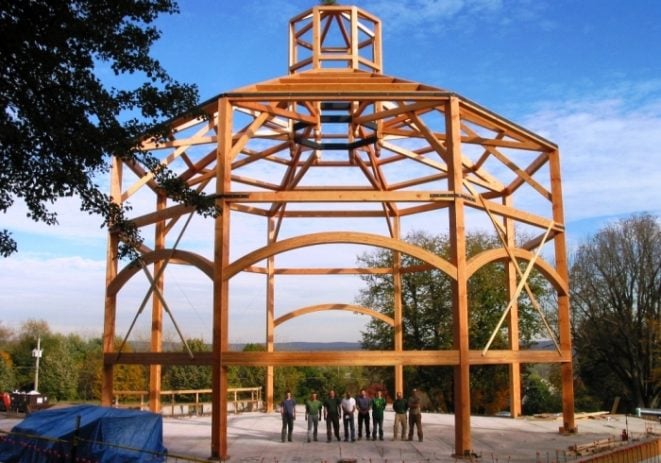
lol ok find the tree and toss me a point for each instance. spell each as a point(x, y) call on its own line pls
point(21, 350)
point(128, 377)
point(182, 377)
point(91, 371)
point(58, 373)
point(60, 364)
point(241, 376)
point(538, 396)
point(428, 320)
point(5, 335)
point(7, 377)
point(616, 300)
point(60, 123)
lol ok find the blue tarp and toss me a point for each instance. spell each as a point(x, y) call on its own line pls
point(46, 436)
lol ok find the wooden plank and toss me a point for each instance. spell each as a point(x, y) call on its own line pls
point(500, 357)
point(167, 213)
point(338, 87)
point(326, 307)
point(177, 143)
point(305, 214)
point(335, 271)
point(399, 110)
point(324, 358)
point(276, 111)
point(334, 196)
point(483, 116)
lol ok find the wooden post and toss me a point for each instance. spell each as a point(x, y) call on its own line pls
point(221, 284)
point(566, 369)
point(270, 317)
point(462, 407)
point(157, 312)
point(316, 38)
point(397, 302)
point(513, 318)
point(112, 263)
point(354, 39)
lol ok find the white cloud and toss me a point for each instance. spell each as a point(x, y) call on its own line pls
point(67, 292)
point(429, 18)
point(609, 151)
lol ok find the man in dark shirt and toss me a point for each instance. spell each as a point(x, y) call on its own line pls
point(332, 415)
point(400, 406)
point(415, 418)
point(288, 412)
point(363, 404)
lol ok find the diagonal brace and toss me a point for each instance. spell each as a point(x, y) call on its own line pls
point(519, 288)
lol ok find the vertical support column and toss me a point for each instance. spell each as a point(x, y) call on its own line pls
point(513, 318)
point(397, 302)
point(354, 38)
point(221, 283)
point(112, 263)
point(293, 44)
point(157, 313)
point(460, 284)
point(270, 314)
point(377, 51)
point(561, 265)
point(316, 38)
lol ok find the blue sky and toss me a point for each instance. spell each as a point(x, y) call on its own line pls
point(584, 74)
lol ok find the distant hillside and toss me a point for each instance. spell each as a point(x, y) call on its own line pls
point(308, 346)
point(141, 346)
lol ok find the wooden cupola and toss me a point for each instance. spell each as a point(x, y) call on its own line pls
point(334, 37)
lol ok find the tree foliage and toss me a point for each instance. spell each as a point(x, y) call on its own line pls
point(616, 300)
point(182, 377)
point(7, 376)
point(60, 122)
point(538, 396)
point(428, 320)
point(241, 376)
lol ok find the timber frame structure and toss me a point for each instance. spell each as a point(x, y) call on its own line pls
point(338, 140)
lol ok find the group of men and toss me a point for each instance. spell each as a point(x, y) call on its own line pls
point(334, 408)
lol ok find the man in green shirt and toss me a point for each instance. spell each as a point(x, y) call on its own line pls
point(400, 405)
point(313, 414)
point(378, 406)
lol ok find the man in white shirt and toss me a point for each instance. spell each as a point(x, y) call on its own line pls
point(348, 410)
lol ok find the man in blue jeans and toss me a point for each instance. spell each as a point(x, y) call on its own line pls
point(364, 405)
point(288, 412)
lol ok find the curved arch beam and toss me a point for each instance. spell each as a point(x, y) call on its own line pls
point(196, 260)
point(323, 307)
point(314, 239)
point(500, 254)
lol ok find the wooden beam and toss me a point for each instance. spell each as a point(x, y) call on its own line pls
point(326, 307)
point(321, 196)
point(345, 358)
point(456, 214)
